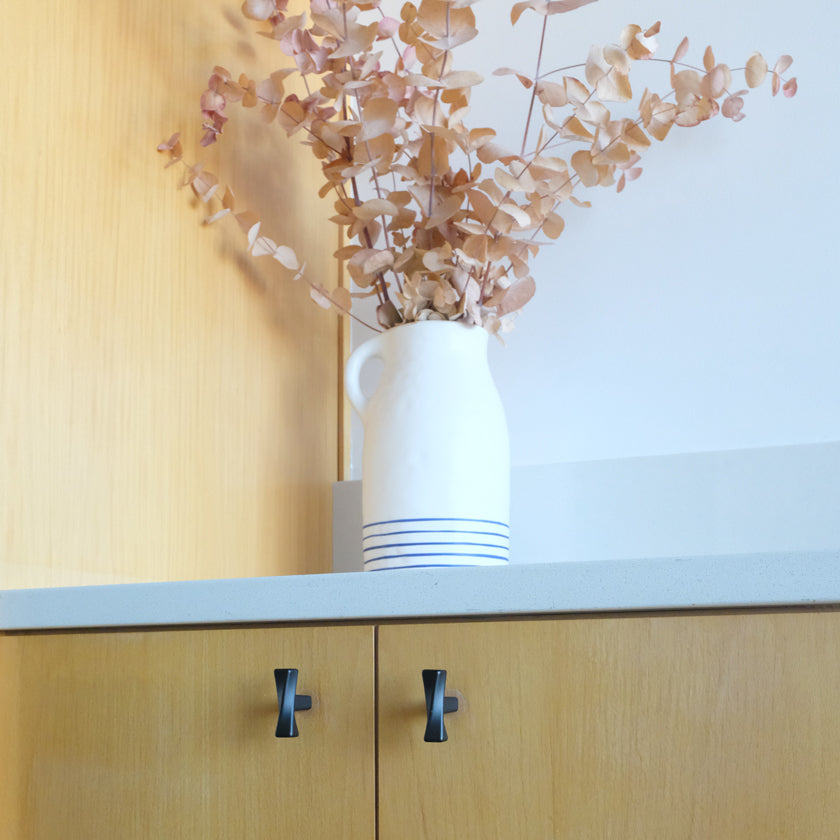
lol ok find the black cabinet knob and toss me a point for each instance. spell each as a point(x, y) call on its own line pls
point(289, 702)
point(437, 705)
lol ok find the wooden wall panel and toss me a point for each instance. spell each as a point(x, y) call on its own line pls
point(168, 406)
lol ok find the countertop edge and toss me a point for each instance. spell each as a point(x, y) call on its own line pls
point(726, 581)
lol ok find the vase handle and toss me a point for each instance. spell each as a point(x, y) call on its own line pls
point(352, 374)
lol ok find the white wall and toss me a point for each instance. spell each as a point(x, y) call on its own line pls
point(698, 310)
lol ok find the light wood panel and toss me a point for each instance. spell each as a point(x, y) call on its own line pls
point(168, 407)
point(171, 735)
point(674, 728)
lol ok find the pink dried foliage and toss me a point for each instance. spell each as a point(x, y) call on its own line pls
point(441, 221)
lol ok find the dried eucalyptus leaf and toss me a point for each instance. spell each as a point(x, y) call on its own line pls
point(263, 247)
point(342, 299)
point(731, 108)
point(387, 315)
point(553, 94)
point(553, 225)
point(455, 38)
point(782, 64)
point(377, 262)
point(320, 295)
point(378, 117)
point(462, 79)
point(286, 257)
point(546, 7)
point(525, 80)
point(517, 296)
point(220, 214)
point(756, 70)
point(258, 9)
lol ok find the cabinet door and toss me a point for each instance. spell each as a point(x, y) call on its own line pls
point(721, 726)
point(170, 734)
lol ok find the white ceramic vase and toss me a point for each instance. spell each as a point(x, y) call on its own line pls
point(436, 460)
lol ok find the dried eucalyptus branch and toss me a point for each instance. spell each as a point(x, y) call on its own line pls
point(454, 236)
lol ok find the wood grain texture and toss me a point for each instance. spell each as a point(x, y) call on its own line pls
point(171, 735)
point(631, 728)
point(168, 407)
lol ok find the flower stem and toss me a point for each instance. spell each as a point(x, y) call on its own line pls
point(536, 82)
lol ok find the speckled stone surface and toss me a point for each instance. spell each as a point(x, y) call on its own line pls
point(746, 580)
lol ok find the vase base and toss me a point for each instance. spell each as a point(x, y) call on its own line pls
point(434, 542)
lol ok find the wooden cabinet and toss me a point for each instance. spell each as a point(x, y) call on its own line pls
point(171, 735)
point(672, 726)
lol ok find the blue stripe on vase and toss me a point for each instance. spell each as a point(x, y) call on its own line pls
point(439, 544)
point(437, 519)
point(424, 566)
point(433, 554)
point(383, 534)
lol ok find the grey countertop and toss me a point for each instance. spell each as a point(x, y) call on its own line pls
point(731, 581)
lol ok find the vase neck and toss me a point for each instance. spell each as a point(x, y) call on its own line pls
point(437, 338)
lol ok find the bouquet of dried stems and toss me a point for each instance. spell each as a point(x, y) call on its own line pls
point(440, 220)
